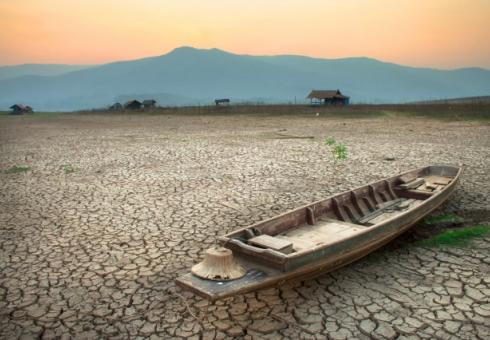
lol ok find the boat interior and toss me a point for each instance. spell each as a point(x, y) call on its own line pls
point(339, 217)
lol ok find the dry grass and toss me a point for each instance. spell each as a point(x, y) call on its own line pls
point(443, 111)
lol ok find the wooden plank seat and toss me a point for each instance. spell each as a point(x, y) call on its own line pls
point(441, 180)
point(271, 242)
point(412, 184)
point(324, 232)
point(427, 184)
point(422, 188)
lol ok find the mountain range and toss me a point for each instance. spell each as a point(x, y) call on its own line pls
point(190, 76)
point(15, 71)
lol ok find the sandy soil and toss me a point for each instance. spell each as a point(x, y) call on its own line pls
point(93, 253)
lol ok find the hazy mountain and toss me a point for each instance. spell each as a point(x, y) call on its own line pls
point(38, 70)
point(189, 76)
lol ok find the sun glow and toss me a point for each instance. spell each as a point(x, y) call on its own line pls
point(436, 33)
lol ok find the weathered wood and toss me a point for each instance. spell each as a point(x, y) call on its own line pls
point(381, 210)
point(413, 184)
point(218, 264)
point(390, 204)
point(408, 177)
point(422, 187)
point(368, 203)
point(350, 212)
point(374, 194)
point(415, 194)
point(438, 180)
point(439, 187)
point(310, 216)
point(326, 231)
point(406, 203)
point(389, 189)
point(328, 243)
point(274, 243)
point(384, 196)
point(393, 211)
point(338, 211)
point(355, 203)
point(259, 276)
point(431, 186)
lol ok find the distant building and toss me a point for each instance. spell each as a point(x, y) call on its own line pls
point(149, 103)
point(327, 97)
point(18, 109)
point(116, 107)
point(223, 101)
point(133, 105)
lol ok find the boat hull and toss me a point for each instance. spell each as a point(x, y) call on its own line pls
point(260, 275)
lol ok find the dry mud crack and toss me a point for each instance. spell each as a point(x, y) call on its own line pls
point(93, 253)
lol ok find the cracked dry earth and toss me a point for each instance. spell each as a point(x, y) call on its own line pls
point(93, 253)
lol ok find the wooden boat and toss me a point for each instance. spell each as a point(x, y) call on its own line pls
point(328, 234)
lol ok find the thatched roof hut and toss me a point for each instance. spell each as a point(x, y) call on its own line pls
point(18, 109)
point(133, 105)
point(148, 103)
point(328, 97)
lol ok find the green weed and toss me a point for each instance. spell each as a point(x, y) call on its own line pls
point(68, 169)
point(16, 169)
point(458, 237)
point(338, 150)
point(329, 141)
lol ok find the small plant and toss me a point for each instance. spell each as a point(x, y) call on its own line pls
point(338, 150)
point(459, 237)
point(68, 169)
point(329, 141)
point(16, 169)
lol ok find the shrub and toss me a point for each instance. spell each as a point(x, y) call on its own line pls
point(338, 150)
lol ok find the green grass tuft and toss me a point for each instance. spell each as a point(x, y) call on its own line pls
point(68, 169)
point(329, 141)
point(16, 169)
point(458, 237)
point(449, 218)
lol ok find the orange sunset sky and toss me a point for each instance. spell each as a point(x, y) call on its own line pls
point(433, 33)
